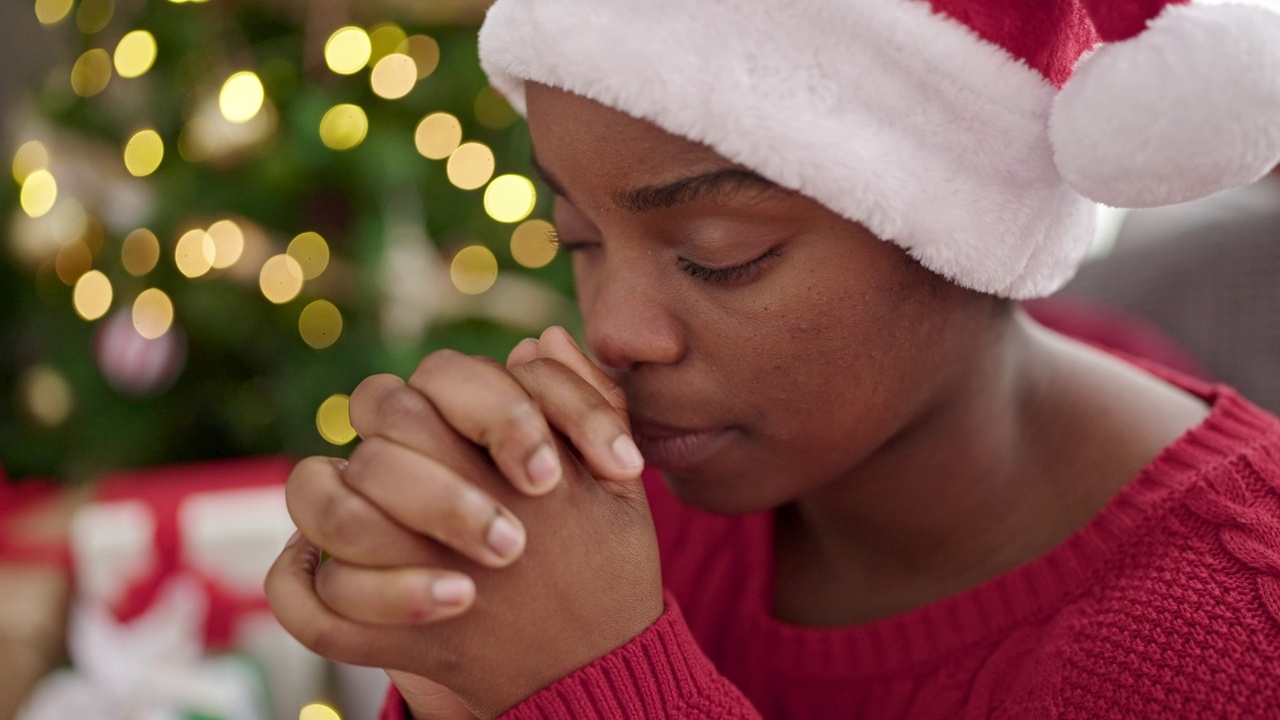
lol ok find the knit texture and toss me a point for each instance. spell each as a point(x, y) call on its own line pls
point(1166, 604)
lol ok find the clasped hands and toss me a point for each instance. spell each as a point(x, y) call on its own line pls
point(488, 536)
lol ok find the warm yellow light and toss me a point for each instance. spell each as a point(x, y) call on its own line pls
point(474, 270)
point(39, 193)
point(533, 243)
point(94, 15)
point(280, 279)
point(152, 313)
point(195, 253)
point(228, 243)
point(320, 324)
point(493, 111)
point(344, 127)
point(347, 50)
point(510, 198)
point(438, 135)
point(394, 76)
point(383, 40)
point(49, 12)
point(47, 396)
point(241, 97)
point(425, 52)
point(140, 253)
point(31, 156)
point(144, 153)
point(135, 54)
point(470, 166)
point(312, 253)
point(91, 73)
point(92, 296)
point(333, 420)
point(74, 259)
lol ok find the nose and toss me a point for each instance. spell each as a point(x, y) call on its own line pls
point(628, 317)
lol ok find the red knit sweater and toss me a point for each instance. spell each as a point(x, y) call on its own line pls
point(1165, 605)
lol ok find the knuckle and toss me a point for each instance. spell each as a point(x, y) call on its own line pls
point(403, 406)
point(437, 362)
point(343, 521)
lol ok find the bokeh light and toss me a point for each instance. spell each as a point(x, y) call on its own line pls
point(394, 76)
point(144, 153)
point(280, 279)
point(473, 270)
point(383, 40)
point(493, 111)
point(333, 420)
point(510, 198)
point(228, 243)
point(49, 12)
point(91, 73)
point(533, 243)
point(30, 157)
point(94, 15)
point(311, 252)
point(195, 253)
point(92, 296)
point(74, 259)
point(140, 252)
point(344, 127)
point(425, 52)
point(320, 324)
point(135, 54)
point(152, 313)
point(438, 135)
point(47, 396)
point(470, 166)
point(39, 193)
point(241, 97)
point(347, 51)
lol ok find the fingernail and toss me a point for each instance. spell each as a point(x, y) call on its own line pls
point(342, 465)
point(544, 467)
point(453, 590)
point(627, 454)
point(293, 539)
point(505, 538)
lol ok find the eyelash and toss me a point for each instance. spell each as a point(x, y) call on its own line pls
point(719, 276)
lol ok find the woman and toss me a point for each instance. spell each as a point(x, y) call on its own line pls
point(887, 492)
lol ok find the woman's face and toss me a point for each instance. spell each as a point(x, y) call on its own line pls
point(767, 346)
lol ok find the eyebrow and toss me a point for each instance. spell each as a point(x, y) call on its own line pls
point(652, 198)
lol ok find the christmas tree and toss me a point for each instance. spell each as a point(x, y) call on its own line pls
point(224, 214)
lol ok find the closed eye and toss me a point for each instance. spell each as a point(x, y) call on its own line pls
point(728, 275)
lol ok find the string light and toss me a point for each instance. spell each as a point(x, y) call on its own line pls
point(280, 279)
point(73, 260)
point(94, 15)
point(92, 295)
point(228, 243)
point(47, 396)
point(91, 73)
point(474, 270)
point(510, 198)
point(438, 135)
point(347, 50)
point(143, 153)
point(152, 313)
point(51, 12)
point(383, 40)
point(470, 166)
point(195, 253)
point(311, 252)
point(333, 421)
point(394, 76)
point(425, 52)
point(344, 127)
point(39, 193)
point(30, 157)
point(242, 97)
point(140, 252)
point(532, 244)
point(320, 324)
point(135, 54)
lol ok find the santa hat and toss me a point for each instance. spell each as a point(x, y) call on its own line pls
point(969, 132)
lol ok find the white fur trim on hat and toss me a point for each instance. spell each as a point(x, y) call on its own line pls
point(1187, 108)
point(890, 114)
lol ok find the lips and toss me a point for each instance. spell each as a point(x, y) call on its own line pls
point(672, 448)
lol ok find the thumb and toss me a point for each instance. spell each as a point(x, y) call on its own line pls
point(429, 700)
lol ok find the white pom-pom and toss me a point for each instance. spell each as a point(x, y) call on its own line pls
point(1189, 107)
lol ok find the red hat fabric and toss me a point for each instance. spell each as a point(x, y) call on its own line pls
point(972, 133)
